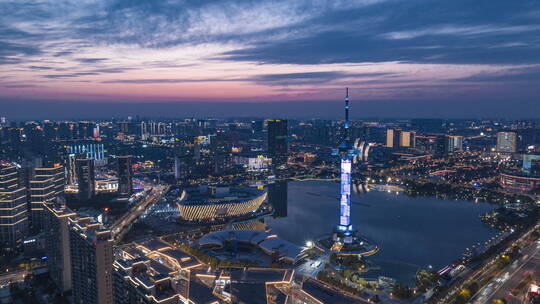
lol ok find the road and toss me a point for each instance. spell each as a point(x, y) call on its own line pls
point(484, 272)
point(511, 276)
point(129, 217)
point(12, 277)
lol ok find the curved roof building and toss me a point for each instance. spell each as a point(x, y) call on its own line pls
point(218, 202)
point(519, 182)
point(269, 243)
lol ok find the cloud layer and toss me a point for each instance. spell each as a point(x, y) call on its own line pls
point(247, 50)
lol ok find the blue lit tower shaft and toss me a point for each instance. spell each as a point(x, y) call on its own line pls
point(346, 153)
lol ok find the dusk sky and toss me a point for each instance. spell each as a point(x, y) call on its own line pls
point(456, 58)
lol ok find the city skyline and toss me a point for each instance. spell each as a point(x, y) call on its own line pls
point(244, 210)
point(243, 58)
point(270, 151)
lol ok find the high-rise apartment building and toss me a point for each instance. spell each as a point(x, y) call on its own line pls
point(56, 219)
point(85, 178)
point(397, 138)
point(407, 139)
point(506, 142)
point(278, 143)
point(393, 137)
point(445, 144)
point(91, 250)
point(125, 175)
point(46, 186)
point(455, 143)
point(13, 209)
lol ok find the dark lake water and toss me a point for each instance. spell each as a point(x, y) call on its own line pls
point(413, 232)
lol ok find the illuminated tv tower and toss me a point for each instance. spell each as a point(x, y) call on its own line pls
point(344, 240)
point(346, 153)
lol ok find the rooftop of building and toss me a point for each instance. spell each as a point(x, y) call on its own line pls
point(153, 244)
point(200, 293)
point(150, 277)
point(267, 242)
point(61, 210)
point(91, 230)
point(156, 249)
point(202, 285)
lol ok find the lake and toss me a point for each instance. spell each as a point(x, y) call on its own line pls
point(412, 232)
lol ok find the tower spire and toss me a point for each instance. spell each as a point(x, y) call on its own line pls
point(346, 107)
point(346, 125)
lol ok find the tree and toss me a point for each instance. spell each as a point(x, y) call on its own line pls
point(401, 291)
point(425, 279)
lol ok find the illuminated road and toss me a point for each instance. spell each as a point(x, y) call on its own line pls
point(12, 277)
point(487, 271)
point(511, 276)
point(118, 228)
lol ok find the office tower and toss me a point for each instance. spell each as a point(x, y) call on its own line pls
point(278, 198)
point(183, 166)
point(220, 147)
point(506, 142)
point(425, 126)
point(393, 138)
point(85, 178)
point(278, 144)
point(56, 220)
point(46, 186)
point(13, 209)
point(407, 139)
point(441, 145)
point(91, 250)
point(125, 175)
